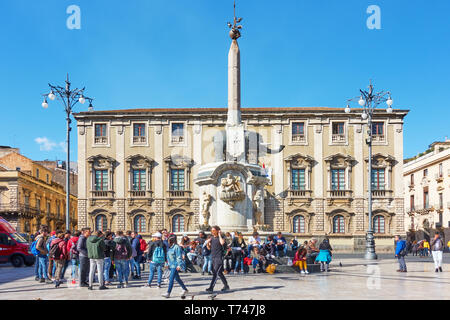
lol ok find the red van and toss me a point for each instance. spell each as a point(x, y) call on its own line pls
point(13, 247)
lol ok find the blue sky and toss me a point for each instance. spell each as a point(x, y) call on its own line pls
point(160, 53)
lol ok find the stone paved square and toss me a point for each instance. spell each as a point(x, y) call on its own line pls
point(354, 280)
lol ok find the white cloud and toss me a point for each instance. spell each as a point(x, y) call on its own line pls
point(47, 145)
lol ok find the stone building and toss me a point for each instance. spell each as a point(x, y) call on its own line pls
point(29, 196)
point(137, 169)
point(427, 189)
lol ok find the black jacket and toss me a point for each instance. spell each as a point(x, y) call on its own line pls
point(110, 245)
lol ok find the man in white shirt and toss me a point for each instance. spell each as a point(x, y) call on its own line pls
point(253, 241)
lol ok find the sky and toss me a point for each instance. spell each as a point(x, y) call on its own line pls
point(160, 53)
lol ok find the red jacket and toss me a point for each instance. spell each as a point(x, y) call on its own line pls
point(62, 248)
point(143, 244)
point(300, 256)
point(72, 241)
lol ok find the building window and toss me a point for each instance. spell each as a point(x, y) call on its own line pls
point(338, 179)
point(378, 182)
point(38, 205)
point(378, 128)
point(298, 132)
point(177, 132)
point(178, 223)
point(100, 134)
point(139, 133)
point(101, 180)
point(101, 223)
point(37, 173)
point(47, 179)
point(441, 170)
point(425, 173)
point(177, 179)
point(426, 203)
point(338, 132)
point(299, 224)
point(441, 201)
point(48, 208)
point(338, 224)
point(412, 179)
point(139, 224)
point(298, 179)
point(139, 179)
point(378, 224)
point(411, 202)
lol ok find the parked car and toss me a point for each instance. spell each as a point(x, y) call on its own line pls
point(13, 247)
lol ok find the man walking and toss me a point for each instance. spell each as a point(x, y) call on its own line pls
point(43, 255)
point(83, 255)
point(437, 248)
point(400, 253)
point(136, 246)
point(96, 254)
point(58, 254)
point(157, 256)
point(217, 250)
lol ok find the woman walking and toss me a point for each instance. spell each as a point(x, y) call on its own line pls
point(324, 256)
point(175, 262)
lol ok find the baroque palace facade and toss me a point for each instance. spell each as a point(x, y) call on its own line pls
point(137, 170)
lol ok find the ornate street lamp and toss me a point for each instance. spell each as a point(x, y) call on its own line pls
point(369, 101)
point(69, 98)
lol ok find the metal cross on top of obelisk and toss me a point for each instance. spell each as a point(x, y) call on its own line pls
point(234, 32)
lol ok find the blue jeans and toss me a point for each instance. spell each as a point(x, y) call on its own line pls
point(106, 267)
point(153, 267)
point(256, 262)
point(402, 263)
point(75, 264)
point(128, 268)
point(207, 264)
point(36, 267)
point(121, 267)
point(43, 266)
point(239, 262)
point(137, 265)
point(174, 275)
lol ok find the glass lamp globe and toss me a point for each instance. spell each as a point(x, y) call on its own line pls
point(82, 100)
point(51, 96)
point(347, 109)
point(45, 104)
point(389, 101)
point(362, 102)
point(389, 109)
point(364, 116)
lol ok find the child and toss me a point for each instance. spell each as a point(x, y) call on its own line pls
point(324, 256)
point(300, 259)
point(257, 259)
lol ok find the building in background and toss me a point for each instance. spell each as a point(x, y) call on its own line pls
point(137, 169)
point(31, 195)
point(427, 189)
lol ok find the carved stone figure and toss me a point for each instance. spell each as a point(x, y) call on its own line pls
point(231, 190)
point(206, 204)
point(258, 202)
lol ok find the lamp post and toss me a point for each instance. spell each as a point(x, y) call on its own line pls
point(69, 98)
point(369, 101)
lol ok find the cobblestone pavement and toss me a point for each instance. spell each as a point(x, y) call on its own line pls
point(355, 279)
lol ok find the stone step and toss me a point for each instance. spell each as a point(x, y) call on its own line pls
point(281, 268)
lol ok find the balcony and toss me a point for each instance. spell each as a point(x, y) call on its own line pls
point(139, 194)
point(378, 138)
point(420, 209)
point(338, 138)
point(439, 177)
point(298, 138)
point(181, 197)
point(339, 194)
point(101, 140)
point(22, 209)
point(139, 140)
point(177, 139)
point(382, 193)
point(299, 195)
point(102, 194)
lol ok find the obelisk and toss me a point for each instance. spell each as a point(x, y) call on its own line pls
point(234, 128)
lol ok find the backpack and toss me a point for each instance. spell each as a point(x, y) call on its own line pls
point(271, 268)
point(121, 252)
point(158, 255)
point(73, 251)
point(33, 248)
point(55, 251)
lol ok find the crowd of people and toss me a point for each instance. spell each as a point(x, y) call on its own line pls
point(121, 257)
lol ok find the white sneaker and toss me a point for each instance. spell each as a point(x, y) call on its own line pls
point(165, 295)
point(302, 271)
point(184, 293)
point(306, 271)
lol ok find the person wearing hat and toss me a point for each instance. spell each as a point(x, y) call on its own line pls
point(156, 256)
